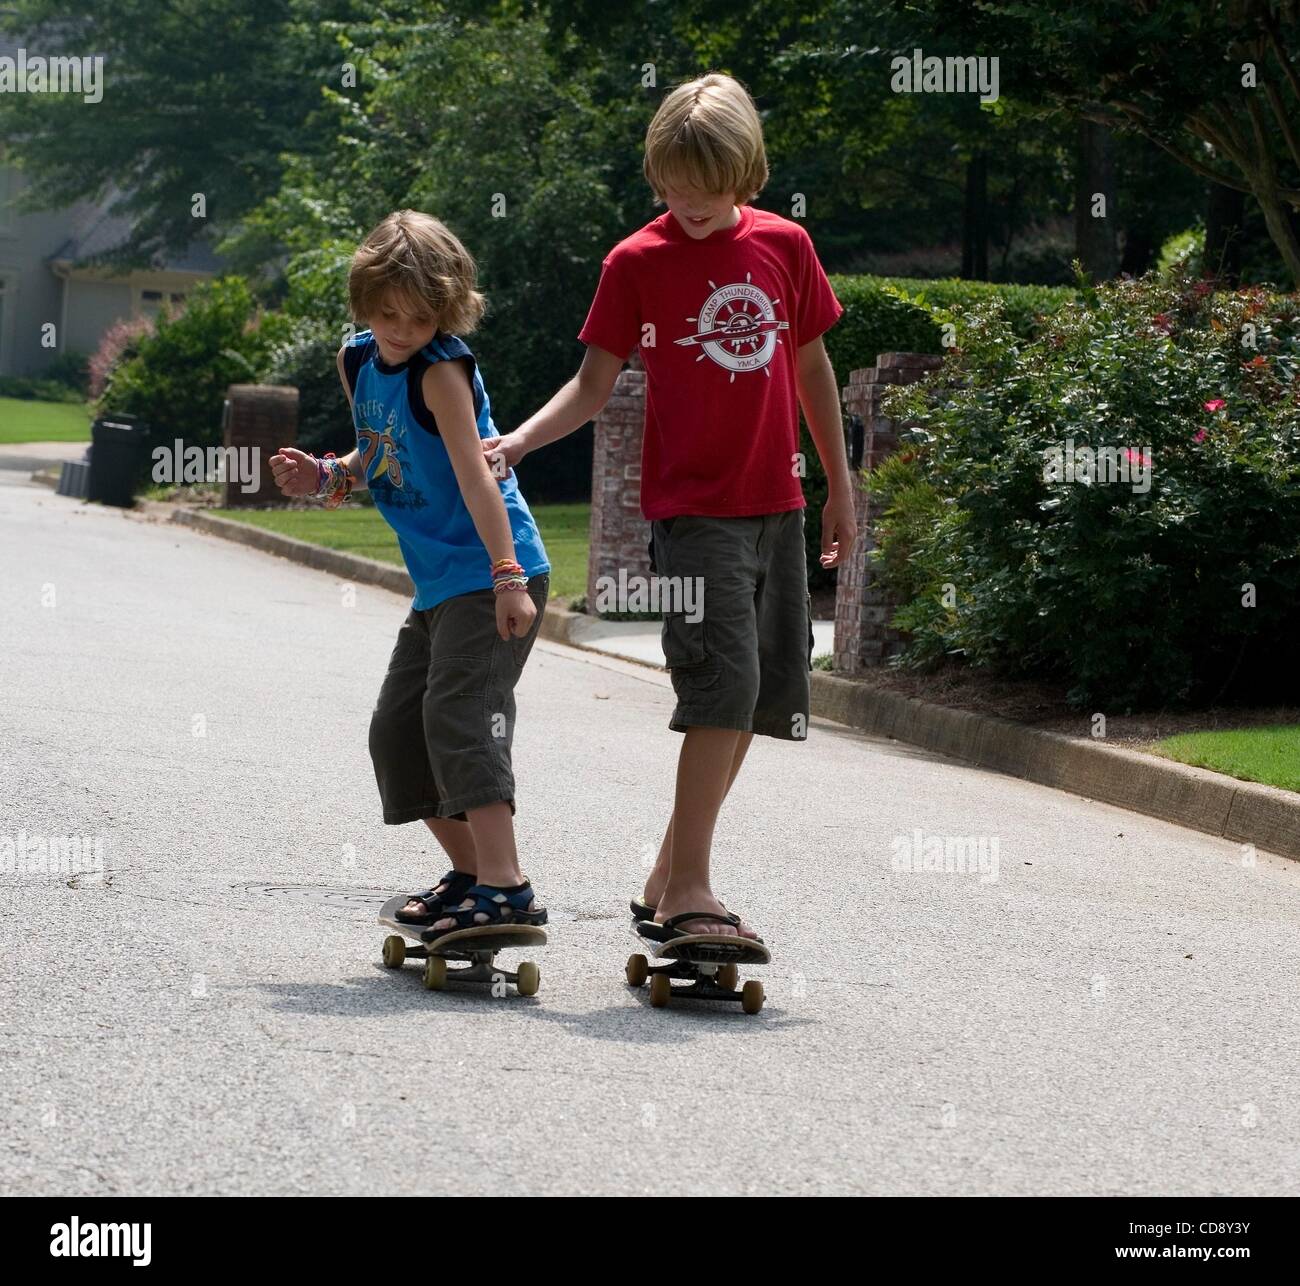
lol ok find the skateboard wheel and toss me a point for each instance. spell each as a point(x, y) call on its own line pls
point(660, 990)
point(435, 973)
point(638, 970)
point(728, 976)
point(528, 979)
point(394, 951)
point(751, 997)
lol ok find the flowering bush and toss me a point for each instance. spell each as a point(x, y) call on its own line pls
point(175, 377)
point(118, 342)
point(1115, 502)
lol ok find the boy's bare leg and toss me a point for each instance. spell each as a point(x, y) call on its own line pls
point(704, 774)
point(457, 842)
point(493, 830)
point(654, 885)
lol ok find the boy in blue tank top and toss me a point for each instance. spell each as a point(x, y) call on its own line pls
point(443, 725)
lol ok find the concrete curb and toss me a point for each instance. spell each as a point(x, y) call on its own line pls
point(351, 567)
point(1240, 811)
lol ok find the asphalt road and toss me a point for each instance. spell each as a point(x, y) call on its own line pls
point(1114, 1013)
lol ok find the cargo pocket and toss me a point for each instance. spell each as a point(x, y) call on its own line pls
point(686, 650)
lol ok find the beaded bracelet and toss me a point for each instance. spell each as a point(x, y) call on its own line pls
point(509, 582)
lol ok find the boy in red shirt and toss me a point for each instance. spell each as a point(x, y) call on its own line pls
point(728, 304)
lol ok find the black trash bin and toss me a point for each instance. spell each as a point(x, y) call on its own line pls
point(117, 459)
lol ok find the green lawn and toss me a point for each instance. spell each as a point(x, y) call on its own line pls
point(1268, 755)
point(22, 421)
point(359, 530)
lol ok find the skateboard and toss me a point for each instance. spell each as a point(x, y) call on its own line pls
point(709, 962)
point(477, 946)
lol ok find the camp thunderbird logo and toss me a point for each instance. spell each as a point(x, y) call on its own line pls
point(737, 328)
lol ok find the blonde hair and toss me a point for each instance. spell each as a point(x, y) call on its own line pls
point(418, 257)
point(707, 135)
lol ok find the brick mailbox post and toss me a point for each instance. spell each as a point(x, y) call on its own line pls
point(863, 637)
point(619, 535)
point(260, 418)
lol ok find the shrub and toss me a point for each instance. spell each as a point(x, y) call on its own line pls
point(176, 378)
point(1182, 254)
point(119, 341)
point(36, 389)
point(71, 370)
point(1133, 597)
point(903, 315)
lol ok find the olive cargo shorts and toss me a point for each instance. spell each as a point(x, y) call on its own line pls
point(442, 727)
point(745, 662)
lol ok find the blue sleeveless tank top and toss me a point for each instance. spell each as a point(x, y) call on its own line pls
point(411, 479)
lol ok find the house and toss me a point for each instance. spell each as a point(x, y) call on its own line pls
point(48, 273)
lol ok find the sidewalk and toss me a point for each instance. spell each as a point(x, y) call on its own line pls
point(39, 455)
point(640, 640)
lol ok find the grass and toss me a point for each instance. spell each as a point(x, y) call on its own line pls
point(23, 421)
point(1269, 755)
point(361, 530)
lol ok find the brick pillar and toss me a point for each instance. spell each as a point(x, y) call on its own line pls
point(265, 418)
point(863, 637)
point(619, 534)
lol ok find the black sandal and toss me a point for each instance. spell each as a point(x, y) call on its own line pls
point(669, 932)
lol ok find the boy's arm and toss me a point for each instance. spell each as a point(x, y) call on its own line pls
point(351, 461)
point(820, 399)
point(580, 400)
point(449, 399)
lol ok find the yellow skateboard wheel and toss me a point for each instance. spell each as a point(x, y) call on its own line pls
point(660, 990)
point(528, 979)
point(435, 973)
point(394, 951)
point(638, 970)
point(751, 997)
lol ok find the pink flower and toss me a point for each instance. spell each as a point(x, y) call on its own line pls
point(1216, 405)
point(1200, 435)
point(1134, 458)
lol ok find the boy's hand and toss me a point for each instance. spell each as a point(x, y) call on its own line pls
point(516, 612)
point(294, 471)
point(503, 453)
point(839, 530)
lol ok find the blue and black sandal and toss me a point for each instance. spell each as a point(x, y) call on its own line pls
point(490, 905)
point(450, 889)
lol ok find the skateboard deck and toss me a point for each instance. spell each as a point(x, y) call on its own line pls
point(478, 947)
point(708, 962)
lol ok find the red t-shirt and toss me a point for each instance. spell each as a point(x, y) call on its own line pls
point(719, 321)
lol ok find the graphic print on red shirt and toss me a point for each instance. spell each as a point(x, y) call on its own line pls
point(719, 322)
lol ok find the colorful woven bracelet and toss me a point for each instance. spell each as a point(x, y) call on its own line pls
point(333, 481)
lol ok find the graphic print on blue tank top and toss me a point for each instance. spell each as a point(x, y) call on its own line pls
point(411, 478)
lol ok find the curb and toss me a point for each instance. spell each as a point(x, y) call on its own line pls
point(1240, 811)
point(352, 567)
point(1246, 812)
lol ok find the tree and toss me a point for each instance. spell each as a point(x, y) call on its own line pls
point(1215, 83)
point(202, 99)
